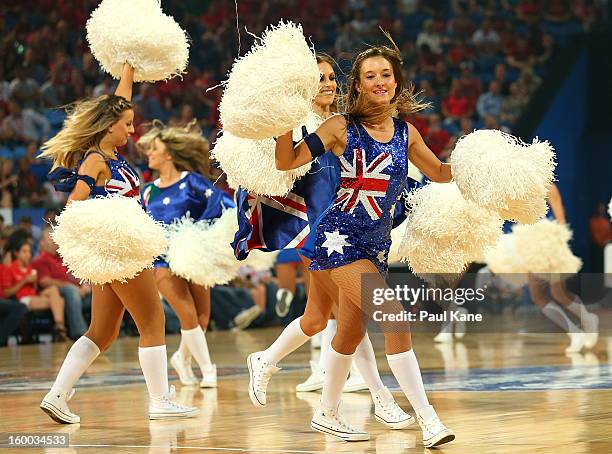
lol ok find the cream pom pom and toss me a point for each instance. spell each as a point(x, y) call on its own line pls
point(260, 260)
point(137, 32)
point(498, 172)
point(251, 164)
point(107, 239)
point(610, 208)
point(504, 260)
point(200, 251)
point(444, 231)
point(543, 247)
point(270, 89)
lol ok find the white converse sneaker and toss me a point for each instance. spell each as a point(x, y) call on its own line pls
point(260, 373)
point(209, 377)
point(577, 342)
point(388, 412)
point(183, 369)
point(330, 421)
point(55, 404)
point(314, 382)
point(445, 336)
point(165, 407)
point(434, 432)
point(284, 298)
point(590, 325)
point(355, 382)
point(459, 325)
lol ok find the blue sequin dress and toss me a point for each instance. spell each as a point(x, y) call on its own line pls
point(192, 195)
point(358, 224)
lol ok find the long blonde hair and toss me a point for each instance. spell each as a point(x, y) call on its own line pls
point(86, 125)
point(188, 148)
point(405, 101)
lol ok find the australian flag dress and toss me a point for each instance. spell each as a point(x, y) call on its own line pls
point(192, 195)
point(358, 224)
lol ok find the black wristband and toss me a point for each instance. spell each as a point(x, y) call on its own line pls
point(315, 145)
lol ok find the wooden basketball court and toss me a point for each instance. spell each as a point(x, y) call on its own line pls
point(500, 393)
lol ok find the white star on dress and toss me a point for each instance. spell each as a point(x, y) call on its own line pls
point(182, 185)
point(166, 200)
point(208, 192)
point(334, 242)
point(381, 256)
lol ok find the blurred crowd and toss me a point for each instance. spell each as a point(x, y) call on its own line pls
point(476, 62)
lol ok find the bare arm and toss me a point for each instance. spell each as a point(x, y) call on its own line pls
point(11, 291)
point(125, 83)
point(425, 160)
point(93, 166)
point(556, 203)
point(289, 157)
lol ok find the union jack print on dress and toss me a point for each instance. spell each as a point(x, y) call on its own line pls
point(362, 182)
point(286, 217)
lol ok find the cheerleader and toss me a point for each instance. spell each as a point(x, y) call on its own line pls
point(351, 237)
point(88, 165)
point(552, 298)
point(180, 156)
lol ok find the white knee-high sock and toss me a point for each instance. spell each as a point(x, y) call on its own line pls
point(196, 342)
point(406, 370)
point(337, 369)
point(365, 360)
point(326, 337)
point(289, 340)
point(154, 365)
point(555, 313)
point(80, 356)
point(578, 308)
point(184, 349)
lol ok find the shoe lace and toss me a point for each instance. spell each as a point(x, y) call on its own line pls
point(392, 408)
point(343, 423)
point(433, 425)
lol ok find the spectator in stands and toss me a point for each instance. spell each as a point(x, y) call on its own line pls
point(471, 86)
point(546, 51)
point(519, 55)
point(491, 122)
point(436, 137)
point(29, 192)
point(456, 105)
point(25, 125)
point(149, 103)
point(490, 103)
point(430, 37)
point(557, 11)
point(20, 282)
point(11, 313)
point(8, 184)
point(462, 25)
point(33, 231)
point(441, 81)
point(53, 92)
point(461, 51)
point(500, 74)
point(486, 35)
point(104, 88)
point(53, 273)
point(513, 105)
point(465, 126)
point(601, 234)
point(528, 81)
point(24, 90)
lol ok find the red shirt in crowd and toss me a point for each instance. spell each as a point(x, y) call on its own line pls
point(15, 275)
point(50, 265)
point(457, 105)
point(437, 140)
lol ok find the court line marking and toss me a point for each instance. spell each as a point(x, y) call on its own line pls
point(198, 447)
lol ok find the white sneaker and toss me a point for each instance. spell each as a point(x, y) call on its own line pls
point(459, 327)
point(209, 377)
point(183, 369)
point(55, 404)
point(330, 421)
point(314, 382)
point(355, 382)
point(590, 325)
point(577, 342)
point(244, 319)
point(165, 407)
point(388, 412)
point(260, 373)
point(444, 337)
point(434, 432)
point(284, 298)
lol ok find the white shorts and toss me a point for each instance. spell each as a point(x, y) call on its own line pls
point(25, 300)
